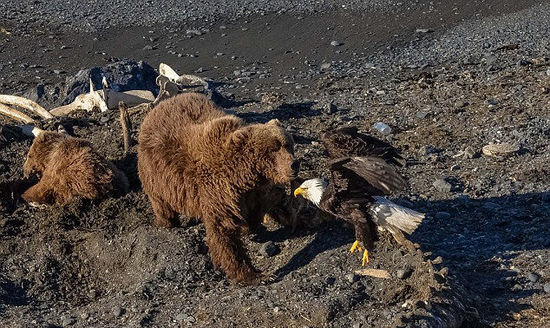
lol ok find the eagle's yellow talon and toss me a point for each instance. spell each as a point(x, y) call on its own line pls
point(355, 246)
point(365, 257)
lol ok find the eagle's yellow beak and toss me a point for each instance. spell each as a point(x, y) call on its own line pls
point(298, 191)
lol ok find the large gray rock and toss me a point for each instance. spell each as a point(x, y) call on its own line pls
point(122, 76)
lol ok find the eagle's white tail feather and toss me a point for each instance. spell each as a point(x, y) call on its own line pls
point(398, 216)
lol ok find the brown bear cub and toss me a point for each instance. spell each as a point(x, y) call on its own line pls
point(69, 167)
point(196, 160)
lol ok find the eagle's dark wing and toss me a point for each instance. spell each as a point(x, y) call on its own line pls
point(354, 180)
point(347, 141)
point(369, 175)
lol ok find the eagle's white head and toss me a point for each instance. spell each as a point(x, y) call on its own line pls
point(312, 190)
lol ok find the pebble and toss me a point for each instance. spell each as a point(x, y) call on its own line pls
point(442, 215)
point(148, 47)
point(403, 273)
point(491, 102)
point(269, 249)
point(118, 311)
point(533, 277)
point(442, 186)
point(335, 43)
point(325, 65)
point(499, 150)
point(547, 288)
point(352, 277)
point(424, 30)
point(383, 128)
point(69, 321)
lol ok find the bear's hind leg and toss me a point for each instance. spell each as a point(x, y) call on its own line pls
point(227, 251)
point(164, 215)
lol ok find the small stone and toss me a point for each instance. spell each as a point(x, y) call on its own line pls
point(547, 288)
point(219, 54)
point(57, 71)
point(269, 249)
point(335, 43)
point(383, 128)
point(352, 277)
point(194, 32)
point(421, 114)
point(533, 277)
point(104, 119)
point(491, 102)
point(118, 311)
point(84, 315)
point(442, 186)
point(69, 321)
point(357, 325)
point(424, 30)
point(442, 215)
point(325, 65)
point(148, 47)
point(181, 317)
point(500, 150)
point(276, 309)
point(403, 273)
point(63, 47)
point(438, 260)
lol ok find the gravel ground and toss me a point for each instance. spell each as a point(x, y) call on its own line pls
point(446, 92)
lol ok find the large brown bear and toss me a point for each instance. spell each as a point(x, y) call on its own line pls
point(196, 160)
point(69, 167)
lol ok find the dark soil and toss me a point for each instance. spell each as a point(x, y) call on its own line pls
point(483, 258)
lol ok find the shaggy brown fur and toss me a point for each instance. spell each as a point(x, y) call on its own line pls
point(69, 167)
point(196, 160)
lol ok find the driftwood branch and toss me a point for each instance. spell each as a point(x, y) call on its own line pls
point(126, 125)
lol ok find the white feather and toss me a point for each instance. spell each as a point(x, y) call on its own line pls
point(398, 216)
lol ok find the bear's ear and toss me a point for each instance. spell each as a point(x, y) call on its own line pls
point(274, 122)
point(238, 137)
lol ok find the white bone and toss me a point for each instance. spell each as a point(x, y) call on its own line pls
point(167, 71)
point(15, 114)
point(30, 130)
point(104, 83)
point(26, 104)
point(89, 101)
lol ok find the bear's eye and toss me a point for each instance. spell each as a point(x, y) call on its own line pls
point(278, 145)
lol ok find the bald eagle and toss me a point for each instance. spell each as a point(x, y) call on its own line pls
point(361, 173)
